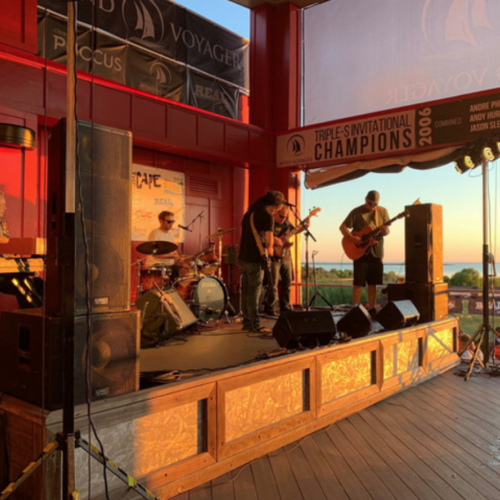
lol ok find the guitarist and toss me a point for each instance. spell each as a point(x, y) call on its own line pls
point(368, 269)
point(257, 239)
point(281, 265)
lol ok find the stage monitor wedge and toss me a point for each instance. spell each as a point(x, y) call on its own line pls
point(163, 314)
point(356, 323)
point(304, 328)
point(431, 300)
point(104, 157)
point(398, 314)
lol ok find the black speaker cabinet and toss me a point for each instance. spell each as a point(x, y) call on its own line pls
point(104, 160)
point(162, 315)
point(431, 300)
point(31, 356)
point(424, 244)
point(356, 323)
point(398, 314)
point(304, 328)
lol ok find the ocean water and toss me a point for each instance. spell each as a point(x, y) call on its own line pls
point(449, 268)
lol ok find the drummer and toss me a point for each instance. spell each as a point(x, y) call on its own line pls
point(164, 233)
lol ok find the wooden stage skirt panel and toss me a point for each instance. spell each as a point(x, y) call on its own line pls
point(175, 437)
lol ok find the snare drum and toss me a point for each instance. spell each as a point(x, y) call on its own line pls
point(206, 296)
point(158, 274)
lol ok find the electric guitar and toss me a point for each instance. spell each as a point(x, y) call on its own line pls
point(280, 251)
point(356, 250)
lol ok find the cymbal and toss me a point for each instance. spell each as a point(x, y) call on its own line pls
point(156, 247)
point(220, 232)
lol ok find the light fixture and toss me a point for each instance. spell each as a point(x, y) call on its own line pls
point(15, 136)
point(491, 150)
point(469, 161)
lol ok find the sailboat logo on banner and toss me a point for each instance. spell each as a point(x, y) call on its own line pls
point(145, 17)
point(461, 20)
point(296, 145)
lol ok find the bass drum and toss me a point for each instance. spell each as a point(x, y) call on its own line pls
point(207, 297)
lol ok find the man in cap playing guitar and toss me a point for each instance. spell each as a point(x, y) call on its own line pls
point(368, 268)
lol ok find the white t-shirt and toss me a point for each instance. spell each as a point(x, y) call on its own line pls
point(160, 235)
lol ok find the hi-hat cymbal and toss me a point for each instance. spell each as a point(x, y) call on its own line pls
point(220, 232)
point(156, 247)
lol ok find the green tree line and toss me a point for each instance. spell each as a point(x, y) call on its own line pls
point(466, 277)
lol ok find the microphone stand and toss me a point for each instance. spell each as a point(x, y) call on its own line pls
point(199, 216)
point(307, 235)
point(317, 293)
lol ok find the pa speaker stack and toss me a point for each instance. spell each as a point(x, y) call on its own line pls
point(100, 229)
point(424, 285)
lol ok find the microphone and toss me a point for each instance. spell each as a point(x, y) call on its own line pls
point(185, 228)
point(288, 204)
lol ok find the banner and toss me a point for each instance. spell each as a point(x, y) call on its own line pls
point(401, 53)
point(212, 95)
point(115, 60)
point(476, 305)
point(170, 30)
point(450, 123)
point(455, 304)
point(153, 191)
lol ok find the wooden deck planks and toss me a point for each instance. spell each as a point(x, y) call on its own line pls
point(437, 441)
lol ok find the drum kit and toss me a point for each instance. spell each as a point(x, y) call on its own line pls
point(197, 278)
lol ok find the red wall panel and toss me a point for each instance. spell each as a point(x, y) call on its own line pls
point(149, 118)
point(18, 24)
point(112, 107)
point(182, 127)
point(211, 134)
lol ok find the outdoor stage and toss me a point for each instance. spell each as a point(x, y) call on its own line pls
point(174, 436)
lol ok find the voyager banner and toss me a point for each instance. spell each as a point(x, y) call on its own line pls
point(168, 29)
point(134, 67)
point(212, 95)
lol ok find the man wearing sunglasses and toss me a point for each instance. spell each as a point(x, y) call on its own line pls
point(163, 233)
point(368, 269)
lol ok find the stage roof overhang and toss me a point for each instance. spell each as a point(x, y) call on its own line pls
point(251, 4)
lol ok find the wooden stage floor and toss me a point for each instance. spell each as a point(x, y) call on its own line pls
point(438, 440)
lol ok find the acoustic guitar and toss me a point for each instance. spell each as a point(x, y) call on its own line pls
point(356, 250)
point(280, 252)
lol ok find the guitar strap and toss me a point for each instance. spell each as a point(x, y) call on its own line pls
point(262, 251)
point(261, 248)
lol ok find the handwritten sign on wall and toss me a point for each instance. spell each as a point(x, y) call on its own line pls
point(153, 191)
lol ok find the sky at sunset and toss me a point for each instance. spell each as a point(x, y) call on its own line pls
point(460, 195)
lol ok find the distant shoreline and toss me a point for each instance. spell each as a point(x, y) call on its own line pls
point(449, 268)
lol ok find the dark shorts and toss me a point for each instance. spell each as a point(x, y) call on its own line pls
point(368, 270)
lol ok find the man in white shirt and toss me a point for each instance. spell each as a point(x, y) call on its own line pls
point(163, 233)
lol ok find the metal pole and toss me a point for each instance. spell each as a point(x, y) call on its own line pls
point(69, 262)
point(486, 299)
